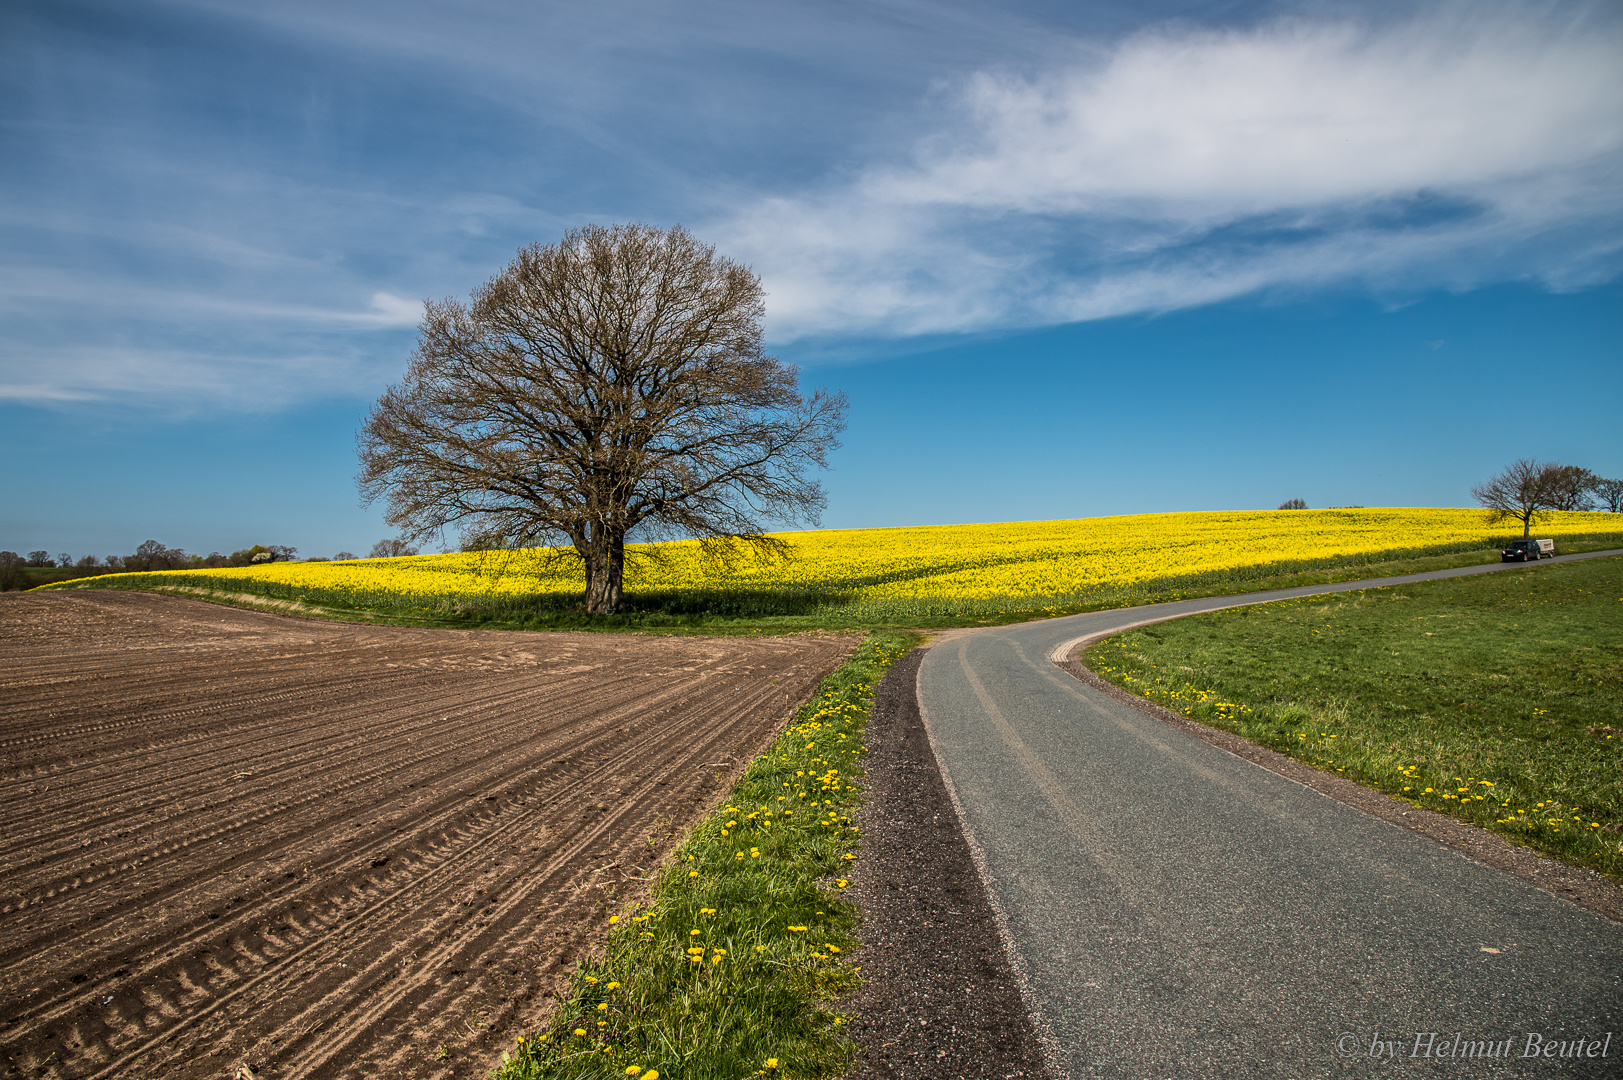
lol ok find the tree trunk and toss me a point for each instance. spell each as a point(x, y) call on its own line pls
point(605, 569)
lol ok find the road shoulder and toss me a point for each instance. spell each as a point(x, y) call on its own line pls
point(940, 999)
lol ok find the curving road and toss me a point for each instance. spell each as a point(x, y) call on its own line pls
point(1180, 912)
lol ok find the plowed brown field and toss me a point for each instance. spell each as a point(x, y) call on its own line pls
point(328, 850)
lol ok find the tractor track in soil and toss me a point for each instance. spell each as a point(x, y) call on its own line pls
point(328, 850)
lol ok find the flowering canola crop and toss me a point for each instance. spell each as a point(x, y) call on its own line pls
point(922, 567)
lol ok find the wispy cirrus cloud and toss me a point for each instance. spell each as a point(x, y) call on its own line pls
point(260, 374)
point(223, 196)
point(1189, 165)
point(114, 339)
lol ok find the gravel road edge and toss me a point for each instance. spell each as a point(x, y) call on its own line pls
point(942, 996)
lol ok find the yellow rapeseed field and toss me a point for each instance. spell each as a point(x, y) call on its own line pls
point(934, 568)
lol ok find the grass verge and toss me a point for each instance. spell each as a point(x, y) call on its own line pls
point(779, 612)
point(732, 966)
point(1497, 699)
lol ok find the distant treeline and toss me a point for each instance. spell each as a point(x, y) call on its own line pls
point(41, 567)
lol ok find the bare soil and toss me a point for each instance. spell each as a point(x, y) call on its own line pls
point(233, 838)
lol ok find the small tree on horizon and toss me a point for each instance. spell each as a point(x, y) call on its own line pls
point(1293, 504)
point(245, 556)
point(392, 548)
point(1526, 489)
point(1568, 487)
point(152, 555)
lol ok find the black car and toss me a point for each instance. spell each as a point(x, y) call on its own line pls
point(1525, 551)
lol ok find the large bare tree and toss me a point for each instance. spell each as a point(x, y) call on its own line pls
point(1517, 493)
point(611, 382)
point(1527, 488)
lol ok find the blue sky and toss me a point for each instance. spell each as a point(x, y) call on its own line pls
point(1066, 259)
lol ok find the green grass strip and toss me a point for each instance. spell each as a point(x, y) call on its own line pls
point(1497, 699)
point(733, 966)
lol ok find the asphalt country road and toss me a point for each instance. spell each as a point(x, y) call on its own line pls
point(1176, 911)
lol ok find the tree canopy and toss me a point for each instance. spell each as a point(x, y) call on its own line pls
point(611, 382)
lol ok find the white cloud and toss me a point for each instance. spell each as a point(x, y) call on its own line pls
point(391, 310)
point(42, 392)
point(184, 379)
point(143, 342)
point(1291, 114)
point(34, 290)
point(1189, 165)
